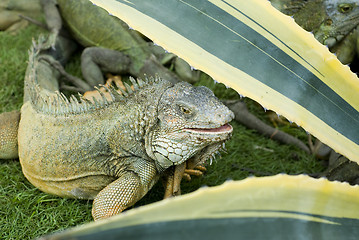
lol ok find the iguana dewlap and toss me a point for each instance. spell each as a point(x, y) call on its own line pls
point(114, 151)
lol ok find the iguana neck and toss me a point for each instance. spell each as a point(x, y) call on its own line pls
point(136, 121)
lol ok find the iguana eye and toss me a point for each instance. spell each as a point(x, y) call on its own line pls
point(185, 110)
point(345, 7)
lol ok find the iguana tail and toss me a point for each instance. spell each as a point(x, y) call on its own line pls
point(9, 121)
point(40, 77)
point(9, 125)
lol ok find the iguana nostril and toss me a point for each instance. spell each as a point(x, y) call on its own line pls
point(227, 116)
point(328, 22)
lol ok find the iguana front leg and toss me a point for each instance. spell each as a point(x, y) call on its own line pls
point(172, 180)
point(96, 60)
point(53, 20)
point(174, 175)
point(124, 192)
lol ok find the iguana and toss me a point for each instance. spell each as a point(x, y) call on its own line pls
point(333, 23)
point(111, 151)
point(114, 48)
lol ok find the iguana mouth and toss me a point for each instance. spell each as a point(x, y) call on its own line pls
point(226, 128)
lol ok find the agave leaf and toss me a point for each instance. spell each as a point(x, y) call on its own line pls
point(262, 54)
point(254, 208)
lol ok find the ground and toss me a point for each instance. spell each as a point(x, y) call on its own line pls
point(27, 212)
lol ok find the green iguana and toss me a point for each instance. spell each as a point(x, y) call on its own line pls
point(333, 23)
point(112, 151)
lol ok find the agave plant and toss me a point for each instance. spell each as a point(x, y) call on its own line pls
point(254, 208)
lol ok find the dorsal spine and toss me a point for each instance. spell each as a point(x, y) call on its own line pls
point(57, 103)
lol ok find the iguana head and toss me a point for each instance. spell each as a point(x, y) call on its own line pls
point(342, 17)
point(191, 121)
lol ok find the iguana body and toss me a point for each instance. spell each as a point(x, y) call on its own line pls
point(114, 151)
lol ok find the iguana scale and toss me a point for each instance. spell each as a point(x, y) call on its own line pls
point(113, 151)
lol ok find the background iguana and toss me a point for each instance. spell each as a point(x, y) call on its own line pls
point(114, 48)
point(333, 23)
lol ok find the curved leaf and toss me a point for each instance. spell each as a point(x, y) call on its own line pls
point(261, 53)
point(254, 208)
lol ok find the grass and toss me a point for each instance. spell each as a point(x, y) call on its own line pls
point(28, 212)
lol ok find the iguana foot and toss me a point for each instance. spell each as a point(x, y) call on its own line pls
point(196, 171)
point(51, 42)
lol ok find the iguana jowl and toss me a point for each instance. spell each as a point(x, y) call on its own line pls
point(114, 151)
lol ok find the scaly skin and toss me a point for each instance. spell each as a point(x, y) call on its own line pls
point(9, 125)
point(114, 151)
point(332, 21)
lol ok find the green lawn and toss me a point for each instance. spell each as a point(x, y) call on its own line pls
point(27, 212)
